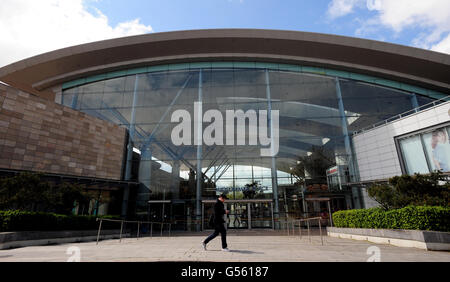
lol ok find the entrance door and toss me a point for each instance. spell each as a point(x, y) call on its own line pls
point(238, 216)
point(261, 215)
point(242, 214)
point(159, 211)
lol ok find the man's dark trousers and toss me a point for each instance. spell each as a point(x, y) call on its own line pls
point(218, 228)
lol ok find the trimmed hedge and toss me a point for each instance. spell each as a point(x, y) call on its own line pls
point(409, 218)
point(40, 221)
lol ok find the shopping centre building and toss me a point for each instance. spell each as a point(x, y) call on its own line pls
point(289, 124)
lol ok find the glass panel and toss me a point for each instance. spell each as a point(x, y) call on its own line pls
point(261, 214)
point(366, 104)
point(68, 96)
point(413, 155)
point(238, 217)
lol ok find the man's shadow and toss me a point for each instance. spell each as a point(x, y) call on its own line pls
point(241, 252)
point(245, 252)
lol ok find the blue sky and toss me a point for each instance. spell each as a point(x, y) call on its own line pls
point(170, 15)
point(30, 27)
point(197, 14)
point(301, 15)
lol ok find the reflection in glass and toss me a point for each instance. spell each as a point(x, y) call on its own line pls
point(413, 155)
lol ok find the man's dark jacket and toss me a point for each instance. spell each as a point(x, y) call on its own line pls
point(219, 211)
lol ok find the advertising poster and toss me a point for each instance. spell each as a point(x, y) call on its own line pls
point(438, 147)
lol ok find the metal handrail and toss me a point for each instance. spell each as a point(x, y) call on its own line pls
point(404, 114)
point(138, 229)
point(307, 220)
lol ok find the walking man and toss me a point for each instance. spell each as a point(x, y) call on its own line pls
point(219, 223)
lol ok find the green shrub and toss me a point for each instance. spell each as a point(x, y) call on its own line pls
point(412, 190)
point(38, 221)
point(409, 218)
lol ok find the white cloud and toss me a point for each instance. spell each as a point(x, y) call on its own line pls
point(443, 46)
point(430, 17)
point(400, 14)
point(30, 27)
point(340, 8)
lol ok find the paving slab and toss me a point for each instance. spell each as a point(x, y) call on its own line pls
point(256, 246)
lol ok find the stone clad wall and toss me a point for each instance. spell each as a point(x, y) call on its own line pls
point(39, 135)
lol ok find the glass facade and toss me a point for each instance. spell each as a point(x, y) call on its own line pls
point(317, 114)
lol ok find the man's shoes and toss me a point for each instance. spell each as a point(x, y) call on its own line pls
point(225, 250)
point(204, 246)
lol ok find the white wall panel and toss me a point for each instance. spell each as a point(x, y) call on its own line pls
point(375, 149)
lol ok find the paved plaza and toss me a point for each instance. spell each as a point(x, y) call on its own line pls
point(245, 246)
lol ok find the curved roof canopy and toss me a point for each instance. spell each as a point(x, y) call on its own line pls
point(418, 67)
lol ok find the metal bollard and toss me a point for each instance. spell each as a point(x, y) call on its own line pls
point(300, 228)
point(137, 237)
point(151, 230)
point(121, 228)
point(99, 229)
point(293, 227)
point(320, 230)
point(287, 227)
point(309, 233)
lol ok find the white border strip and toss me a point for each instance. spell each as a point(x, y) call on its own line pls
point(395, 242)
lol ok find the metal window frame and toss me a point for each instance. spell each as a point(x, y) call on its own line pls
point(420, 133)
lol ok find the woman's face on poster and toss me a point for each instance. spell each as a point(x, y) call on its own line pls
point(441, 137)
